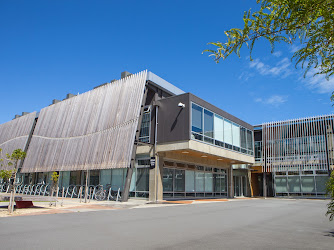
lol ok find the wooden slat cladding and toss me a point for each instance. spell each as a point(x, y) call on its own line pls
point(298, 145)
point(94, 130)
point(15, 133)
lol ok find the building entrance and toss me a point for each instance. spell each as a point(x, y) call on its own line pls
point(240, 186)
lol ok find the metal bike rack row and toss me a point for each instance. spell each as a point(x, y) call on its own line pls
point(72, 191)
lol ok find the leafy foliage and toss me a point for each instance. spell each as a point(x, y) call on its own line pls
point(309, 21)
point(5, 174)
point(15, 157)
point(54, 177)
point(330, 192)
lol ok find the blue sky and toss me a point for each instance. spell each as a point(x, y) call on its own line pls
point(51, 48)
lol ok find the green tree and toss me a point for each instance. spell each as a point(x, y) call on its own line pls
point(309, 21)
point(14, 159)
point(330, 192)
point(5, 174)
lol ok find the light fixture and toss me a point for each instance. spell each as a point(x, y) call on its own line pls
point(204, 156)
point(181, 105)
point(185, 152)
point(219, 159)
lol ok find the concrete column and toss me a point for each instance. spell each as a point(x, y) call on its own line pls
point(230, 182)
point(155, 181)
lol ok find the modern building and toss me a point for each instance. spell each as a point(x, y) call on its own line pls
point(293, 157)
point(140, 134)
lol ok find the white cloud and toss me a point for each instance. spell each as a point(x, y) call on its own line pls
point(318, 82)
point(277, 53)
point(282, 68)
point(274, 100)
point(293, 48)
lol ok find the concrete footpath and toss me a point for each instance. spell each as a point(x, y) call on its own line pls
point(74, 205)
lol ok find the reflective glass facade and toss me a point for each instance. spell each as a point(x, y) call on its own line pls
point(214, 129)
point(185, 180)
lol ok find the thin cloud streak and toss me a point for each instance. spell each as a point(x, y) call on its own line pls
point(282, 68)
point(274, 100)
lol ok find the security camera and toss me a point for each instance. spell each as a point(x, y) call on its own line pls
point(181, 105)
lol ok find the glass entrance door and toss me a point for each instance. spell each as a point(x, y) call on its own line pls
point(239, 186)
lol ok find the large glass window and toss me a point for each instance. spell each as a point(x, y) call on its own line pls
point(219, 128)
point(228, 132)
point(294, 184)
point(208, 123)
point(145, 126)
point(308, 184)
point(167, 180)
point(199, 178)
point(142, 182)
point(249, 140)
point(117, 178)
point(105, 177)
point(179, 181)
point(208, 182)
point(281, 185)
point(197, 119)
point(214, 129)
point(190, 181)
point(236, 135)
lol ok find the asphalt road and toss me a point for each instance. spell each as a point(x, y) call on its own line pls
point(242, 224)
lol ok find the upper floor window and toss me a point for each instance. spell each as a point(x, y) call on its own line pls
point(145, 128)
point(212, 128)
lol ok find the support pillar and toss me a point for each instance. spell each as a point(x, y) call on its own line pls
point(230, 183)
point(155, 181)
point(264, 184)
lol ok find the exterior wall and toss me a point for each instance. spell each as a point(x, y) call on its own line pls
point(298, 153)
point(174, 122)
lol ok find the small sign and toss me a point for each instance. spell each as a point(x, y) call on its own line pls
point(152, 162)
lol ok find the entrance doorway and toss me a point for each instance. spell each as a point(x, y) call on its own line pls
point(240, 186)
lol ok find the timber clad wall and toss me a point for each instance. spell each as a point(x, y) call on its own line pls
point(94, 130)
point(14, 134)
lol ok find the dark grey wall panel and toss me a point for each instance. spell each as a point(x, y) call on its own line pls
point(174, 122)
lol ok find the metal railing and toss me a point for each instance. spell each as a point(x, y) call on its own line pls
point(72, 191)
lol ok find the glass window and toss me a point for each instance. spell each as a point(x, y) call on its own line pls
point(145, 128)
point(133, 182)
point(228, 131)
point(65, 179)
point(281, 185)
point(167, 180)
point(243, 138)
point(249, 140)
point(199, 178)
point(321, 183)
point(236, 135)
point(105, 177)
point(142, 182)
point(197, 119)
point(219, 128)
point(117, 177)
point(208, 123)
point(308, 184)
point(208, 182)
point(190, 181)
point(179, 181)
point(294, 184)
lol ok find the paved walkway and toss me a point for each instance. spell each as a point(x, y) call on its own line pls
point(74, 205)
